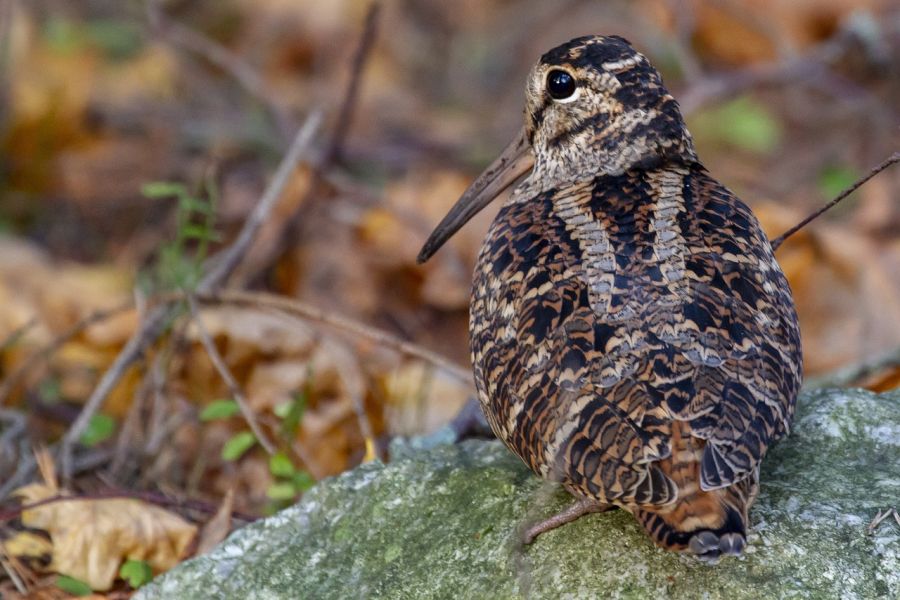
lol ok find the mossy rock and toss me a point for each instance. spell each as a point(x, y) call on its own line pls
point(444, 522)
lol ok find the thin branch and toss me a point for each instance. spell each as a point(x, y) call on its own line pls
point(6, 561)
point(229, 379)
point(12, 431)
point(149, 497)
point(226, 263)
point(16, 334)
point(149, 330)
point(309, 312)
point(293, 229)
point(87, 461)
point(7, 15)
point(895, 157)
point(351, 94)
point(219, 268)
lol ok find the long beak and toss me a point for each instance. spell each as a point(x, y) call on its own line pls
point(516, 160)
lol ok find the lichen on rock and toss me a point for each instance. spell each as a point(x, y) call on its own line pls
point(444, 522)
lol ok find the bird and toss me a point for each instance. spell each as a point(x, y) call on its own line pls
point(632, 335)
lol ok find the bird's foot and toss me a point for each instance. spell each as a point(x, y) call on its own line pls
point(880, 517)
point(578, 509)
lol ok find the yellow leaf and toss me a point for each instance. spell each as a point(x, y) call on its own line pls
point(91, 538)
point(28, 545)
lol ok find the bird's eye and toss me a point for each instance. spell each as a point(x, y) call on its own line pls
point(560, 84)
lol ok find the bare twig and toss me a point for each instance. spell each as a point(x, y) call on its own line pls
point(225, 264)
point(306, 311)
point(880, 517)
point(231, 63)
point(147, 333)
point(293, 229)
point(895, 157)
point(128, 433)
point(356, 389)
point(229, 379)
point(16, 334)
point(7, 13)
point(14, 430)
point(348, 104)
point(150, 497)
point(155, 428)
point(87, 461)
point(10, 567)
point(218, 270)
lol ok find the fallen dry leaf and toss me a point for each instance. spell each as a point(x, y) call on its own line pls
point(218, 527)
point(91, 538)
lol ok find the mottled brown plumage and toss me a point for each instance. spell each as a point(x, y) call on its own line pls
point(632, 335)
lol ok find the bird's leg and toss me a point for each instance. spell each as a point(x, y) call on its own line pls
point(578, 509)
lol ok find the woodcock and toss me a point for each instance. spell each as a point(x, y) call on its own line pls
point(633, 337)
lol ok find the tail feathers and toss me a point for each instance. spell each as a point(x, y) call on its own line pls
point(708, 536)
point(706, 522)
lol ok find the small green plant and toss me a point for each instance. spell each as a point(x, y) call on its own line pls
point(116, 39)
point(291, 413)
point(136, 573)
point(73, 586)
point(219, 409)
point(835, 179)
point(742, 123)
point(290, 480)
point(180, 262)
point(99, 429)
point(238, 445)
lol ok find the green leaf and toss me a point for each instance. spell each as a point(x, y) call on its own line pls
point(117, 39)
point(834, 180)
point(282, 410)
point(280, 465)
point(163, 189)
point(219, 409)
point(303, 481)
point(292, 413)
point(136, 573)
point(199, 232)
point(73, 586)
point(99, 428)
point(742, 123)
point(238, 445)
point(61, 35)
point(189, 204)
point(281, 491)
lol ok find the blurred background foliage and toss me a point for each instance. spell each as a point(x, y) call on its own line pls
point(136, 137)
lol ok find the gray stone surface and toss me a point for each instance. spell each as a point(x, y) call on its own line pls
point(443, 522)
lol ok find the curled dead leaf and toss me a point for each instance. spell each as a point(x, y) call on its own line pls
point(91, 537)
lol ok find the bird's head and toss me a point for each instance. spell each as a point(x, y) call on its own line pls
point(593, 106)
